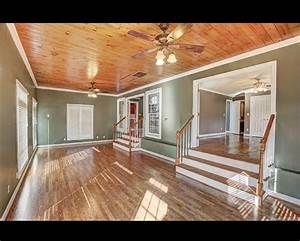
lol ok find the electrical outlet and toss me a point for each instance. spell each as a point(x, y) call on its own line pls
point(103, 137)
point(65, 139)
point(8, 188)
point(221, 128)
point(97, 137)
point(247, 129)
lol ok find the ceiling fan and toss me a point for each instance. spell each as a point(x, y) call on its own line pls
point(93, 90)
point(259, 85)
point(165, 43)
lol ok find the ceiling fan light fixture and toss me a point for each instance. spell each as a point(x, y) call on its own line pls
point(160, 55)
point(160, 62)
point(172, 58)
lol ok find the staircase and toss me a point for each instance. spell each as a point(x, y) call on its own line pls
point(128, 141)
point(123, 142)
point(236, 177)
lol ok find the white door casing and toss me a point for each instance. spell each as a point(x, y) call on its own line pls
point(121, 112)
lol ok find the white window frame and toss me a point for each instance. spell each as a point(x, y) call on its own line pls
point(79, 137)
point(34, 123)
point(147, 133)
point(21, 168)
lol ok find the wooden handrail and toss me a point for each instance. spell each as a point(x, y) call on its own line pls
point(268, 129)
point(115, 126)
point(120, 121)
point(263, 143)
point(183, 140)
point(185, 124)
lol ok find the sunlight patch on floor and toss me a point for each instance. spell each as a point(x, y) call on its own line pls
point(159, 185)
point(151, 208)
point(124, 168)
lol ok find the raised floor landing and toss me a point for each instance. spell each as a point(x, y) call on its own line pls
point(232, 146)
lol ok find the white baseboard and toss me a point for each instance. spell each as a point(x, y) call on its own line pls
point(75, 143)
point(285, 198)
point(13, 196)
point(212, 134)
point(169, 159)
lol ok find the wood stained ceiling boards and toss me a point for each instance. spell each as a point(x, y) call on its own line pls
point(71, 55)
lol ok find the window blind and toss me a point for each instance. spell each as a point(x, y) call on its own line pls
point(80, 121)
point(22, 125)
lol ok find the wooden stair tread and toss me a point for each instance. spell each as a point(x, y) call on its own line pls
point(228, 155)
point(226, 167)
point(226, 181)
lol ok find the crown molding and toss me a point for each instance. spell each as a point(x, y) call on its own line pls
point(14, 34)
point(73, 91)
point(261, 50)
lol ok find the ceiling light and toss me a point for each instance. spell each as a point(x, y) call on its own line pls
point(160, 62)
point(160, 55)
point(172, 58)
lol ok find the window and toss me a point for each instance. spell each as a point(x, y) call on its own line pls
point(22, 126)
point(153, 113)
point(80, 122)
point(34, 123)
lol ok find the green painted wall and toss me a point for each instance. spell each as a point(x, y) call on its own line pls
point(55, 103)
point(11, 68)
point(212, 112)
point(177, 107)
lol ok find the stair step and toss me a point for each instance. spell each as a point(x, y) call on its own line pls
point(122, 144)
point(243, 165)
point(224, 180)
point(222, 166)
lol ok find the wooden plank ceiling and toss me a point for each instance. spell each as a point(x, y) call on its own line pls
point(71, 55)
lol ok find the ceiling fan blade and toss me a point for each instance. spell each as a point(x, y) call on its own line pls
point(179, 31)
point(144, 52)
point(190, 47)
point(140, 35)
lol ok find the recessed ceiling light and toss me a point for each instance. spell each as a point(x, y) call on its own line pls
point(67, 32)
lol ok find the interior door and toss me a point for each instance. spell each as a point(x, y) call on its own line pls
point(234, 122)
point(260, 110)
point(121, 112)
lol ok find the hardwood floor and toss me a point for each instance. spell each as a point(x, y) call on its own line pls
point(232, 146)
point(102, 183)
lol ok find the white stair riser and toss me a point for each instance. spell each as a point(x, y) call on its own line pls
point(218, 185)
point(220, 159)
point(124, 147)
point(132, 138)
point(221, 172)
point(134, 144)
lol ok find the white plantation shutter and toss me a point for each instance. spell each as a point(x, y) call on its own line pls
point(80, 121)
point(22, 125)
point(34, 123)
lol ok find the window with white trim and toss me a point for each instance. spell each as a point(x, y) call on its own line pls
point(153, 113)
point(22, 125)
point(80, 122)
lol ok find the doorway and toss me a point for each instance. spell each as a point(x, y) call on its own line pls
point(235, 113)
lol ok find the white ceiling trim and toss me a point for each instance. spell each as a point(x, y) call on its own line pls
point(14, 34)
point(73, 91)
point(281, 44)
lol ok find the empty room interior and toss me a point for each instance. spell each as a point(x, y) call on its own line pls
point(150, 121)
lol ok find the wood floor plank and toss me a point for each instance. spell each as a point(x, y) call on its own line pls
point(79, 183)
